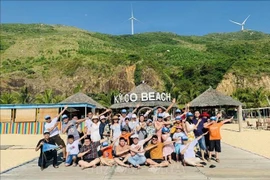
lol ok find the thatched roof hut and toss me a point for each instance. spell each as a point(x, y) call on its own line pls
point(138, 90)
point(82, 98)
point(213, 98)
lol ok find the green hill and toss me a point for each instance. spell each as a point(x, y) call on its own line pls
point(66, 60)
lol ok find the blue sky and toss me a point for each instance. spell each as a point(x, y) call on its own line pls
point(181, 17)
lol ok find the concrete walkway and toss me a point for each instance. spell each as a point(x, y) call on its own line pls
point(235, 164)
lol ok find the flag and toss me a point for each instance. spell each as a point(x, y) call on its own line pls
point(48, 147)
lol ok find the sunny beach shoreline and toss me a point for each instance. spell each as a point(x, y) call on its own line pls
point(24, 145)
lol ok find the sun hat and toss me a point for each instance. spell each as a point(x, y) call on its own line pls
point(133, 116)
point(95, 117)
point(134, 136)
point(115, 117)
point(166, 115)
point(102, 117)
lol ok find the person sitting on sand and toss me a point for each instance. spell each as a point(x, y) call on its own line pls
point(156, 152)
point(72, 150)
point(48, 155)
point(89, 153)
point(107, 154)
point(214, 135)
point(187, 149)
point(137, 157)
point(122, 152)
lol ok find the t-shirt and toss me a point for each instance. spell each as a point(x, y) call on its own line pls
point(72, 130)
point(190, 153)
point(126, 136)
point(55, 131)
point(116, 128)
point(157, 152)
point(73, 148)
point(151, 130)
point(139, 147)
point(93, 150)
point(200, 127)
point(88, 124)
point(178, 135)
point(107, 153)
point(214, 131)
point(133, 124)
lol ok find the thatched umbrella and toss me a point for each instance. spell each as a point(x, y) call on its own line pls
point(82, 98)
point(138, 90)
point(213, 98)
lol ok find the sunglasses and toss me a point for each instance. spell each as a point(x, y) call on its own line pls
point(154, 139)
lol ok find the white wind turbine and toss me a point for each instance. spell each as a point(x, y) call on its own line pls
point(132, 21)
point(241, 24)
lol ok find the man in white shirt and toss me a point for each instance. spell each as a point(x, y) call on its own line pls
point(51, 125)
point(88, 122)
point(137, 152)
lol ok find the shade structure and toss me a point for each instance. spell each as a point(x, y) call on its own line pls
point(213, 98)
point(82, 98)
point(138, 90)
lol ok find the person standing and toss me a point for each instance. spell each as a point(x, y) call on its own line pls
point(45, 156)
point(199, 131)
point(51, 125)
point(215, 136)
point(69, 126)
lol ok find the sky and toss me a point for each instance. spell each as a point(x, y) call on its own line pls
point(111, 17)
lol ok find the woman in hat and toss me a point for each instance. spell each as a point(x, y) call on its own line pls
point(189, 126)
point(94, 129)
point(169, 148)
point(115, 128)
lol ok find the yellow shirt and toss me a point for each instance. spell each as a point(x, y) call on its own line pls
point(157, 152)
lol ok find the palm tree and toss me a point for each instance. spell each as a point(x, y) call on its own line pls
point(7, 98)
point(24, 96)
point(46, 97)
point(259, 97)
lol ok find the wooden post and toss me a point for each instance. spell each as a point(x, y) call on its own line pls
point(240, 117)
point(85, 111)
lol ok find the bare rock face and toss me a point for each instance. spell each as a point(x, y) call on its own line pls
point(231, 82)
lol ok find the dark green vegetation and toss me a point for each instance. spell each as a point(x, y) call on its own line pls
point(186, 65)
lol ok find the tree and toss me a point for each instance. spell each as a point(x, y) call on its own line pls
point(23, 96)
point(7, 98)
point(46, 97)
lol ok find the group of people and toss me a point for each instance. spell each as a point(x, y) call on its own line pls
point(129, 140)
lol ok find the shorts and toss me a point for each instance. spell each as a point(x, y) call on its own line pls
point(158, 160)
point(58, 140)
point(69, 158)
point(215, 145)
point(177, 148)
point(201, 143)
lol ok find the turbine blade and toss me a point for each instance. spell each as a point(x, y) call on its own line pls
point(245, 20)
point(235, 22)
point(131, 10)
point(137, 20)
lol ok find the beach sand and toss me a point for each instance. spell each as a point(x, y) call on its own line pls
point(256, 141)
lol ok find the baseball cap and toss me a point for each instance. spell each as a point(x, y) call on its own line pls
point(123, 111)
point(134, 136)
point(46, 132)
point(64, 116)
point(164, 130)
point(213, 118)
point(133, 116)
point(160, 115)
point(178, 111)
point(167, 115)
point(178, 118)
point(149, 120)
point(104, 144)
point(189, 114)
point(47, 117)
point(123, 129)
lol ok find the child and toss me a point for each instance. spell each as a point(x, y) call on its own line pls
point(72, 150)
point(177, 136)
point(150, 129)
point(169, 148)
point(107, 154)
